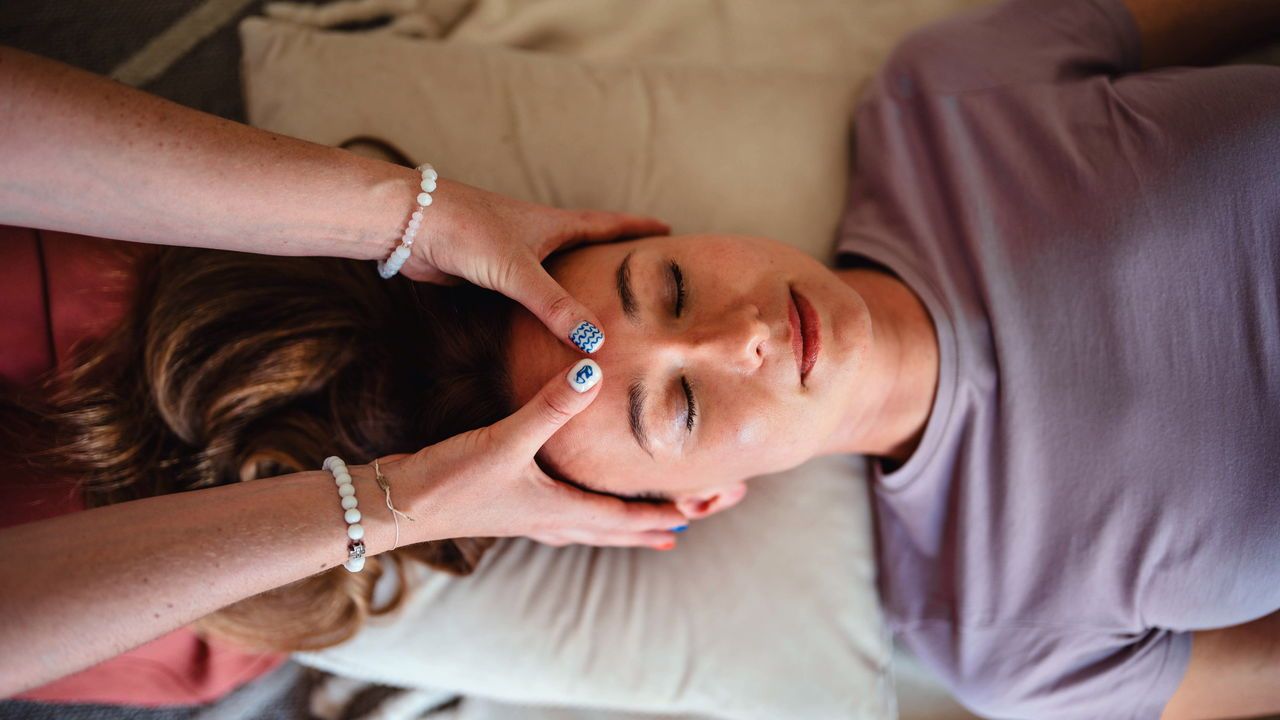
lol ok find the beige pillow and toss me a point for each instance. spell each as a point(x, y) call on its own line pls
point(766, 612)
point(846, 37)
point(708, 150)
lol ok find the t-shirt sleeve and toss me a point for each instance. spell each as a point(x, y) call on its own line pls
point(1015, 41)
point(1046, 673)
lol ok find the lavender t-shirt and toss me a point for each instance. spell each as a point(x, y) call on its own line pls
point(1099, 249)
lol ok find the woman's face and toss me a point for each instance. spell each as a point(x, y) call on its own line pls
point(707, 337)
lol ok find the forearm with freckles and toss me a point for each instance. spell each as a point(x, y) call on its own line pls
point(87, 155)
point(80, 588)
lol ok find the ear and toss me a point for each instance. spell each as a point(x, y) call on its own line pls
point(711, 502)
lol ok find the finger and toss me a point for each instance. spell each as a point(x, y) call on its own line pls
point(655, 540)
point(650, 516)
point(563, 397)
point(566, 318)
point(658, 540)
point(611, 514)
point(552, 539)
point(597, 226)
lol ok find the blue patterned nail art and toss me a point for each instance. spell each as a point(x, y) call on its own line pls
point(584, 375)
point(587, 337)
point(680, 529)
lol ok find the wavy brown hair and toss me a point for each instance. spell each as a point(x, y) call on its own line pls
point(231, 367)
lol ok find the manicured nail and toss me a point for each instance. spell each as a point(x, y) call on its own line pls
point(680, 529)
point(584, 375)
point(587, 337)
point(665, 546)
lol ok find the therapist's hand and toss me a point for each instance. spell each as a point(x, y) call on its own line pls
point(485, 483)
point(499, 243)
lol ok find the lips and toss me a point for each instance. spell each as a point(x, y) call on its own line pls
point(806, 335)
point(797, 335)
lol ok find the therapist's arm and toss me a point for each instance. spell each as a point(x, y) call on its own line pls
point(80, 588)
point(88, 155)
point(1201, 32)
point(1233, 673)
point(83, 154)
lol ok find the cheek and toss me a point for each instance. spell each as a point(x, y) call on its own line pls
point(751, 433)
point(766, 437)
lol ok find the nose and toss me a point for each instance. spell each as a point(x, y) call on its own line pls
point(735, 337)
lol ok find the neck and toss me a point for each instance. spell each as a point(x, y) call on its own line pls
point(891, 407)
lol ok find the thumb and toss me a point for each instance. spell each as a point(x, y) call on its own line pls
point(598, 225)
point(563, 397)
point(569, 320)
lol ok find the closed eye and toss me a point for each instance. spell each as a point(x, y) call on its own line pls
point(677, 283)
point(691, 412)
point(678, 303)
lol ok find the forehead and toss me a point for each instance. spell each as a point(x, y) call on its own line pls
point(597, 448)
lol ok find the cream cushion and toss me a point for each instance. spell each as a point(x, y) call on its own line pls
point(762, 613)
point(844, 37)
point(709, 150)
point(768, 611)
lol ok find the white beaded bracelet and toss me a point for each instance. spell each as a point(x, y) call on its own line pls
point(351, 512)
point(389, 267)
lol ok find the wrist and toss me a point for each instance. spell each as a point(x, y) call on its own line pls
point(438, 218)
point(418, 495)
point(391, 265)
point(390, 196)
point(371, 526)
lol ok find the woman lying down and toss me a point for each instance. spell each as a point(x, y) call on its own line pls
point(1054, 324)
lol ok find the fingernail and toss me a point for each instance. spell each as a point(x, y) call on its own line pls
point(665, 546)
point(584, 376)
point(587, 337)
point(680, 529)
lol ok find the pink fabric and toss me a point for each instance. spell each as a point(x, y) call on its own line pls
point(28, 344)
point(57, 291)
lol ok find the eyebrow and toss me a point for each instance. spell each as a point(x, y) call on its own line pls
point(635, 415)
point(625, 294)
point(635, 392)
